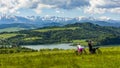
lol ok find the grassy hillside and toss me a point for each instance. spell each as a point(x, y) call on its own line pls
point(55, 29)
point(5, 36)
point(12, 29)
point(70, 33)
point(16, 27)
point(62, 59)
point(82, 42)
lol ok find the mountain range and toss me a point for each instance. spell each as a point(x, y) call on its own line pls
point(8, 21)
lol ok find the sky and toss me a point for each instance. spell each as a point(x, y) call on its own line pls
point(105, 9)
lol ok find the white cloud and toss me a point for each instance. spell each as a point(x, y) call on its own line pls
point(40, 6)
point(91, 6)
point(115, 10)
point(12, 6)
point(66, 4)
point(57, 11)
point(47, 15)
point(6, 7)
point(105, 3)
point(94, 10)
point(104, 18)
point(102, 6)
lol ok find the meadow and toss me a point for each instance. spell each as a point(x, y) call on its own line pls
point(4, 36)
point(55, 29)
point(11, 29)
point(109, 58)
point(82, 42)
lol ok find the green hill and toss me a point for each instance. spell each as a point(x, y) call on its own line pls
point(12, 29)
point(16, 27)
point(66, 34)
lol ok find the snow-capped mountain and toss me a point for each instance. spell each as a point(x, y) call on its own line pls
point(56, 21)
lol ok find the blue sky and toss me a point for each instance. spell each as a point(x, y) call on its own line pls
point(108, 9)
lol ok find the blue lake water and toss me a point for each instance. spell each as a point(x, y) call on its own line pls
point(51, 46)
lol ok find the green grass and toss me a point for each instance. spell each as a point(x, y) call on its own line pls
point(4, 36)
point(11, 29)
point(82, 42)
point(54, 29)
point(110, 58)
point(32, 38)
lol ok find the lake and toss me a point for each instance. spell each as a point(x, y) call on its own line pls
point(51, 46)
point(59, 46)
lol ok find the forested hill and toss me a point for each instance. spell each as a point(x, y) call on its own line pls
point(102, 35)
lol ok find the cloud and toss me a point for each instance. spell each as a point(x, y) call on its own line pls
point(105, 3)
point(57, 11)
point(12, 6)
point(115, 10)
point(102, 6)
point(104, 18)
point(93, 10)
point(40, 6)
point(66, 4)
point(91, 6)
point(8, 6)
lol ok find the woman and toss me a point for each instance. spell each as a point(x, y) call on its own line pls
point(80, 49)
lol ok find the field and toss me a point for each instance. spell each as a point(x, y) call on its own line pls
point(55, 29)
point(4, 36)
point(11, 29)
point(110, 58)
point(32, 38)
point(82, 42)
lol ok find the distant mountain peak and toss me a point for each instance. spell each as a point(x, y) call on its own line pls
point(7, 19)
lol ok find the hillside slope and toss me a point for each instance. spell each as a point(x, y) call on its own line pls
point(65, 34)
point(16, 27)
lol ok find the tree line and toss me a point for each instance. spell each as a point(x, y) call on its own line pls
point(103, 35)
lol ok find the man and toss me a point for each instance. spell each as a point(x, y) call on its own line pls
point(91, 49)
point(90, 46)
